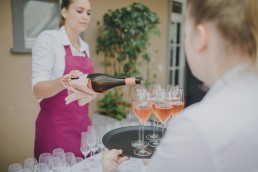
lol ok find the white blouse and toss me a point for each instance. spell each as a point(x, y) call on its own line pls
point(219, 134)
point(48, 54)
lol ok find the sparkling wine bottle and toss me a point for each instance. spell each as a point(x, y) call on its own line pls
point(102, 82)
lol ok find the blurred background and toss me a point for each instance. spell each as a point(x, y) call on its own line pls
point(22, 20)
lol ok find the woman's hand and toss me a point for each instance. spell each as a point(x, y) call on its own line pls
point(111, 159)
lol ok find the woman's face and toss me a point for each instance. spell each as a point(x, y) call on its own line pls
point(78, 15)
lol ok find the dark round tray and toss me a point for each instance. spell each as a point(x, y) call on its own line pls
point(121, 138)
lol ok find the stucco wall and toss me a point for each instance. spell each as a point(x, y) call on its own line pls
point(18, 108)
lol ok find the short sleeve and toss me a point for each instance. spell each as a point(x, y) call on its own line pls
point(43, 58)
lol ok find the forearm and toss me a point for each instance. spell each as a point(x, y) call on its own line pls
point(46, 89)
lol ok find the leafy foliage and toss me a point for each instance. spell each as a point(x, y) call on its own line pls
point(124, 39)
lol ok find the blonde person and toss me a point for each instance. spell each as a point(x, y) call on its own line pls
point(220, 133)
point(58, 53)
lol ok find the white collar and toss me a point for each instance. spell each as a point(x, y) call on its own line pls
point(235, 73)
point(65, 40)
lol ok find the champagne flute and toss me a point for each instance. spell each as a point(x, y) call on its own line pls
point(153, 90)
point(85, 149)
point(176, 97)
point(92, 140)
point(163, 108)
point(142, 108)
point(138, 143)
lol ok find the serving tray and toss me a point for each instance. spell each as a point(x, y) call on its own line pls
point(121, 138)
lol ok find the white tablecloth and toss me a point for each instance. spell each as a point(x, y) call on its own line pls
point(131, 165)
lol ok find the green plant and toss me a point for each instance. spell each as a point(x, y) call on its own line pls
point(124, 40)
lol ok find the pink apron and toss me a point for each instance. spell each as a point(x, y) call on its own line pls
point(59, 125)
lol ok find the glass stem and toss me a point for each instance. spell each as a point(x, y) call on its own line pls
point(163, 129)
point(154, 125)
point(139, 132)
point(142, 128)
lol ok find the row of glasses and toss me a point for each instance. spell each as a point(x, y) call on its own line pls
point(55, 161)
point(164, 103)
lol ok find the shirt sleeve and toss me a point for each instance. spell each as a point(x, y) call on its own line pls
point(43, 58)
point(179, 147)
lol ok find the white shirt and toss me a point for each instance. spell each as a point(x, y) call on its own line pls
point(48, 54)
point(219, 134)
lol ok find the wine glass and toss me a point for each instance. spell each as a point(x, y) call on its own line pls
point(85, 149)
point(92, 140)
point(46, 158)
point(41, 167)
point(102, 132)
point(176, 97)
point(142, 109)
point(30, 163)
point(70, 159)
point(58, 164)
point(163, 108)
point(14, 167)
point(153, 90)
point(138, 143)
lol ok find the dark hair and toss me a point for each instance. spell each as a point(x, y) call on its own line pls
point(65, 4)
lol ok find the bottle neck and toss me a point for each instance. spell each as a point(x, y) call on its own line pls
point(132, 81)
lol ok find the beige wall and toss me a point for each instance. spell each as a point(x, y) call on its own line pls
point(18, 108)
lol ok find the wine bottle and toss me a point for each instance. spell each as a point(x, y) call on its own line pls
point(102, 82)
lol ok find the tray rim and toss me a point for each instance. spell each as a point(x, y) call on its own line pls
point(109, 134)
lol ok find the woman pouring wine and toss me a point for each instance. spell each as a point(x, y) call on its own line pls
point(55, 55)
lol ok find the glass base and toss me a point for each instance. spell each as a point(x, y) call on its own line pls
point(138, 144)
point(152, 136)
point(154, 143)
point(143, 152)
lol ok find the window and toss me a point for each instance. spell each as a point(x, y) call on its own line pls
point(176, 43)
point(30, 17)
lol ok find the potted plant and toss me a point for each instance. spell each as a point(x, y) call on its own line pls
point(123, 39)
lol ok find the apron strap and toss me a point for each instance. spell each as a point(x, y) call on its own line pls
point(68, 50)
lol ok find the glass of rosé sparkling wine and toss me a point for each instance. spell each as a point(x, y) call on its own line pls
point(154, 96)
point(138, 143)
point(176, 98)
point(142, 109)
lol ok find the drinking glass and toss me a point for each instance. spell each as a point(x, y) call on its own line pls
point(30, 163)
point(138, 143)
point(41, 167)
point(153, 91)
point(85, 149)
point(58, 164)
point(163, 108)
point(102, 132)
point(14, 167)
point(46, 158)
point(177, 100)
point(142, 108)
point(93, 143)
point(70, 159)
point(59, 152)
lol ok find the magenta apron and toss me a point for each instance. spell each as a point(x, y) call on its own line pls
point(59, 125)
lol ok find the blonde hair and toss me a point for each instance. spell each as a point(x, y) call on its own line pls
point(235, 20)
point(251, 9)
